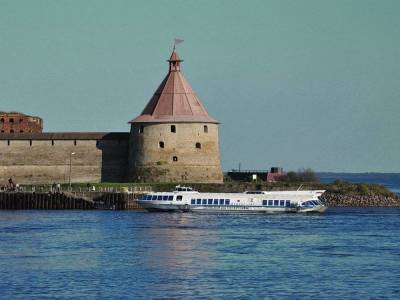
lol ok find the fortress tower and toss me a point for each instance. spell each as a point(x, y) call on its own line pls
point(174, 139)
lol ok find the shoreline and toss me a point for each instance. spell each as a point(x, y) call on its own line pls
point(338, 193)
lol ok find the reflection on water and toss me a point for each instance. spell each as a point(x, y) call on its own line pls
point(347, 253)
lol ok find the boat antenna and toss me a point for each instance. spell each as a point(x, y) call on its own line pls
point(300, 187)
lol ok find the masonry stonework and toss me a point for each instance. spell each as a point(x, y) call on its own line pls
point(15, 122)
point(190, 154)
point(41, 159)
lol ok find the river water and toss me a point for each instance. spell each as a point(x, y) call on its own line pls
point(343, 254)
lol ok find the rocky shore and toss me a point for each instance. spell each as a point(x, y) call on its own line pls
point(357, 200)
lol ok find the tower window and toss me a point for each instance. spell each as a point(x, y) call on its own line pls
point(20, 120)
point(161, 144)
point(12, 131)
point(2, 120)
point(11, 120)
point(141, 129)
point(205, 129)
point(175, 158)
point(52, 142)
point(21, 131)
point(74, 142)
point(30, 142)
point(198, 146)
point(173, 128)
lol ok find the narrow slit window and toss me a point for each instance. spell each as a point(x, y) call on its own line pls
point(141, 129)
point(52, 142)
point(30, 142)
point(74, 142)
point(161, 144)
point(205, 129)
point(173, 128)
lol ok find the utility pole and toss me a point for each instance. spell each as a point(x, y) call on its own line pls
point(70, 168)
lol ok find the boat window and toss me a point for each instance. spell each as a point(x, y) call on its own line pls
point(215, 201)
point(315, 202)
point(287, 202)
point(210, 201)
point(227, 201)
point(170, 198)
point(165, 197)
point(148, 197)
point(193, 201)
point(221, 201)
point(179, 198)
point(270, 202)
point(282, 203)
point(198, 201)
point(265, 202)
point(204, 202)
point(159, 197)
point(276, 202)
point(154, 197)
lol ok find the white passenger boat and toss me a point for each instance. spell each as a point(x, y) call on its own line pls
point(185, 199)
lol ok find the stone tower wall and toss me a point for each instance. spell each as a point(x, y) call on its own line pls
point(151, 163)
point(47, 161)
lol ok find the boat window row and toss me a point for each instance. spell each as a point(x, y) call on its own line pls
point(210, 201)
point(311, 203)
point(284, 203)
point(157, 197)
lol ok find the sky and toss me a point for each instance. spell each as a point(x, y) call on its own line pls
point(297, 84)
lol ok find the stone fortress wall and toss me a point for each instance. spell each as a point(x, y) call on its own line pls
point(45, 157)
point(174, 152)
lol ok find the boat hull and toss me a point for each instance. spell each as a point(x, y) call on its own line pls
point(163, 207)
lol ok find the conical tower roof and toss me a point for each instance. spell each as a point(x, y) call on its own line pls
point(174, 100)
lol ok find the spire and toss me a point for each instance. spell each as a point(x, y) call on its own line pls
point(174, 61)
point(174, 99)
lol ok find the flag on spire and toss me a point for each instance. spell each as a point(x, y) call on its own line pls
point(177, 41)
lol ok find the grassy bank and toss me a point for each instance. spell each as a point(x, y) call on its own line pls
point(337, 187)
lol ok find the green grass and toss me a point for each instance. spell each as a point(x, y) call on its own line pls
point(339, 187)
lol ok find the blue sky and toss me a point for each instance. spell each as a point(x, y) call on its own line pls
point(312, 83)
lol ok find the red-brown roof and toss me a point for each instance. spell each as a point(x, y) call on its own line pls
point(65, 136)
point(174, 100)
